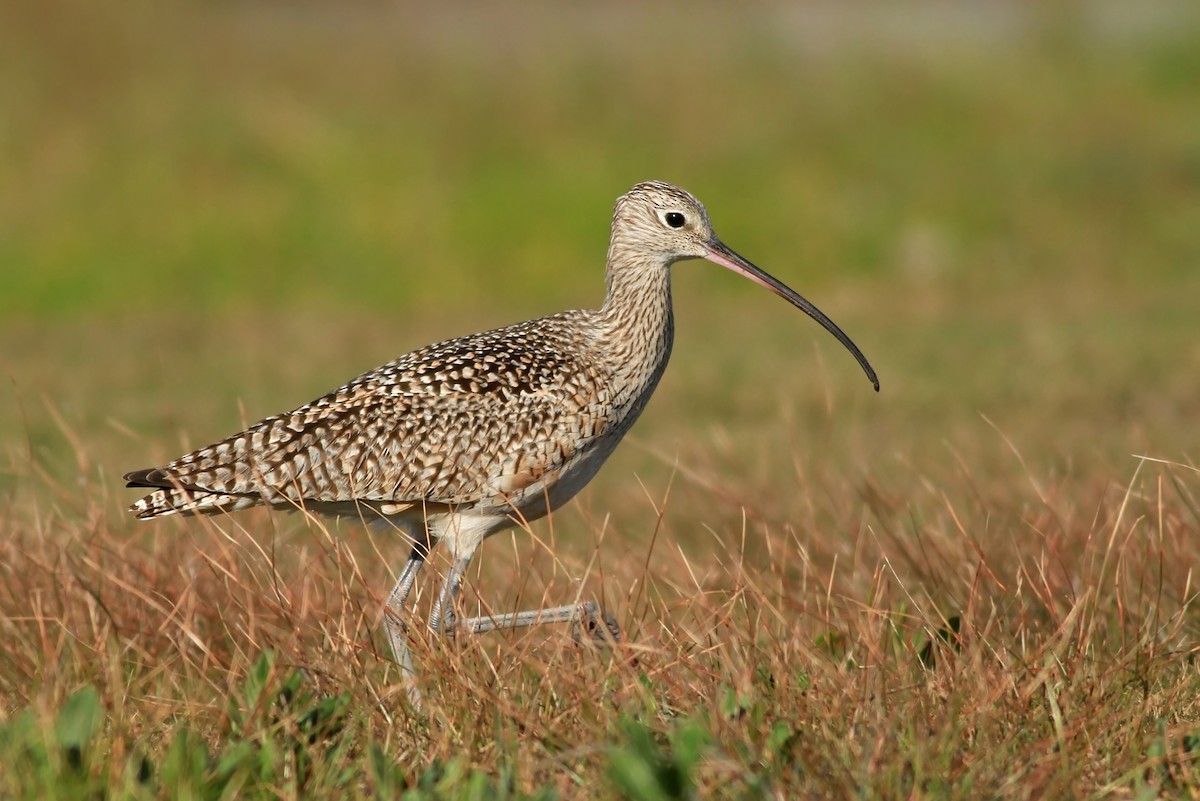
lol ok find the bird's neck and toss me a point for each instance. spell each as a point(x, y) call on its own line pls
point(636, 322)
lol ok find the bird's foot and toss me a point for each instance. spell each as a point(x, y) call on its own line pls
point(595, 626)
point(446, 624)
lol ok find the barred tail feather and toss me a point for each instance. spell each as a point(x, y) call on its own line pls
point(163, 502)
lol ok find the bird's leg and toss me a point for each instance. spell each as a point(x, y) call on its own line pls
point(393, 617)
point(589, 619)
point(442, 618)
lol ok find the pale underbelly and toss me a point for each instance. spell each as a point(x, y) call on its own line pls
point(550, 493)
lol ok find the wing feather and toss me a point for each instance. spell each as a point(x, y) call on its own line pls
point(460, 422)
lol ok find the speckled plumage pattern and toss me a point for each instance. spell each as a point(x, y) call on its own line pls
point(464, 438)
point(471, 421)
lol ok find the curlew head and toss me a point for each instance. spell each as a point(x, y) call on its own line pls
point(665, 223)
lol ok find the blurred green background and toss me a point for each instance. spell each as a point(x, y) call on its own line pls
point(214, 211)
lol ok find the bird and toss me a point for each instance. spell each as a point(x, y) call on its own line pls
point(457, 441)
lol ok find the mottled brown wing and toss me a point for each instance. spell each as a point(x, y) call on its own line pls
point(456, 423)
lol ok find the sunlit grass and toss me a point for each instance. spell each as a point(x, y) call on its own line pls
point(935, 634)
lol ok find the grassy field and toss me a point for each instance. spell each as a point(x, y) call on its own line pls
point(976, 584)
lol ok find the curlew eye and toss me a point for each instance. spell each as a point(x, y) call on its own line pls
point(674, 219)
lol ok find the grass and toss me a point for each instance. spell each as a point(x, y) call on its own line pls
point(976, 584)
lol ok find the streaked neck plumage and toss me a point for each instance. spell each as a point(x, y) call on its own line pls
point(636, 323)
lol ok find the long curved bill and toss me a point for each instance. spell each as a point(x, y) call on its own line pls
point(722, 254)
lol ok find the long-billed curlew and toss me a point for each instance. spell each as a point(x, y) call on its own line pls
point(460, 440)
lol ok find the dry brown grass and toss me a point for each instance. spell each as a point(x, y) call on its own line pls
point(1024, 635)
